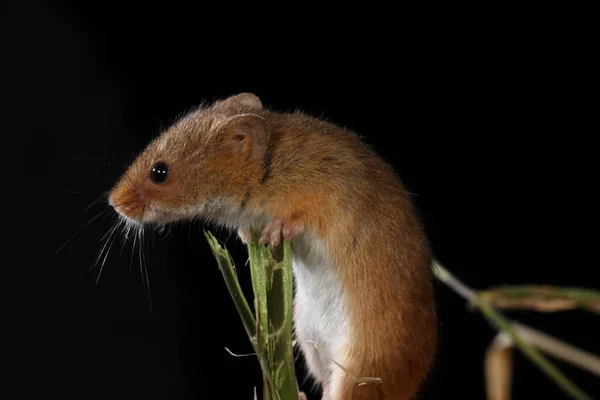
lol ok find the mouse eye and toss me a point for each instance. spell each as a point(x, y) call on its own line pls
point(159, 173)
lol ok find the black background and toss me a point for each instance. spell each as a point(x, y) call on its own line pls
point(481, 117)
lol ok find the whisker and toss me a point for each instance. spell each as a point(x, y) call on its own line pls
point(103, 196)
point(81, 228)
point(104, 260)
point(109, 233)
point(124, 237)
point(125, 231)
point(140, 250)
point(135, 236)
point(147, 280)
point(143, 269)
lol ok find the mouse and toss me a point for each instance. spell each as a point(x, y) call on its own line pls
point(364, 315)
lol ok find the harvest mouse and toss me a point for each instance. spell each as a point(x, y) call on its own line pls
point(364, 296)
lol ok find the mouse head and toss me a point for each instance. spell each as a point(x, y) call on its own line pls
point(201, 167)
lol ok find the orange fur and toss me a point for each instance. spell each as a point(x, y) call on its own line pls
point(325, 182)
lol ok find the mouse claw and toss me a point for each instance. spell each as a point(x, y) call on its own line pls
point(272, 233)
point(244, 235)
point(276, 229)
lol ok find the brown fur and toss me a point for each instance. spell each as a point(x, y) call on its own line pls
point(316, 176)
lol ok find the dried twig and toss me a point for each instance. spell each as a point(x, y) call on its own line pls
point(498, 367)
point(511, 329)
point(542, 298)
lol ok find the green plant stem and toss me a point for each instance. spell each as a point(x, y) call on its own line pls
point(499, 321)
point(270, 329)
point(233, 285)
point(279, 297)
point(230, 277)
point(259, 272)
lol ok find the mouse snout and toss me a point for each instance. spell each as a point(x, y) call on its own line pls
point(128, 201)
point(111, 199)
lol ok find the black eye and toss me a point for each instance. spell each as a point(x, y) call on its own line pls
point(159, 173)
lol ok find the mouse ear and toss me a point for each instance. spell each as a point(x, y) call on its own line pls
point(250, 131)
point(241, 100)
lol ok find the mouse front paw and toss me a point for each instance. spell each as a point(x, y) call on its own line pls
point(244, 235)
point(278, 228)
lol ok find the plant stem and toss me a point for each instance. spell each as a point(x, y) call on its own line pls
point(259, 272)
point(233, 285)
point(279, 295)
point(542, 297)
point(270, 329)
point(227, 269)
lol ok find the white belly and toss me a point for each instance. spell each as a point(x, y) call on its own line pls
point(321, 323)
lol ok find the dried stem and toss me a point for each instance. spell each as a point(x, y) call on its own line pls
point(501, 323)
point(542, 298)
